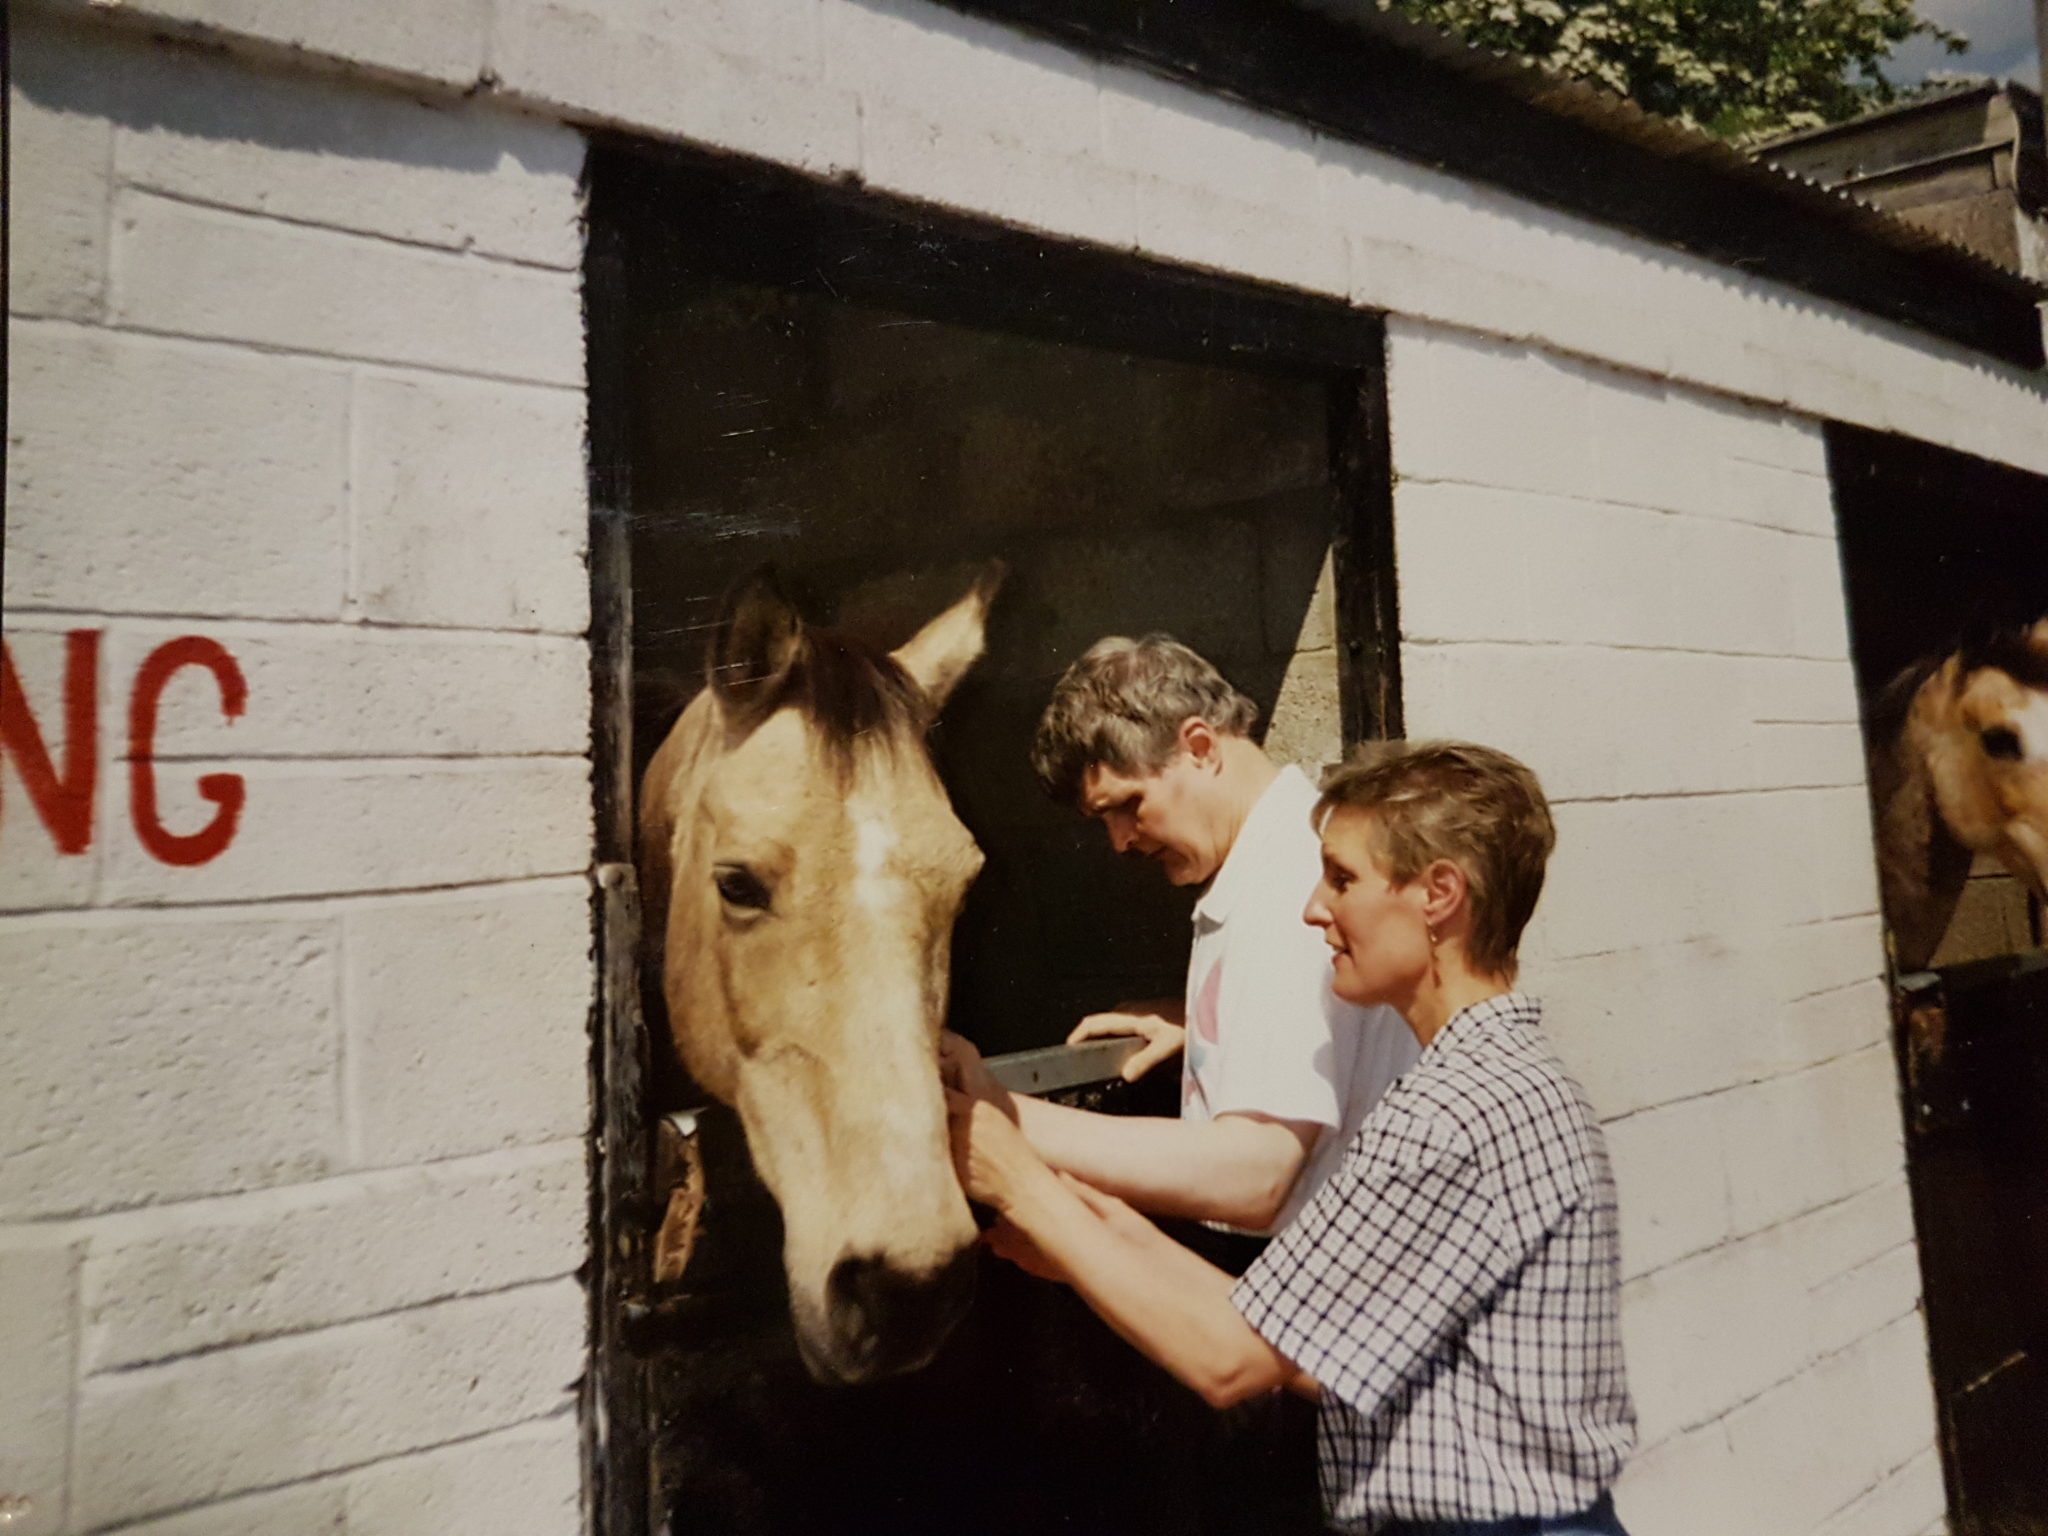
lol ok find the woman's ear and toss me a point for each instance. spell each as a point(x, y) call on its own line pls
point(1445, 894)
point(1198, 739)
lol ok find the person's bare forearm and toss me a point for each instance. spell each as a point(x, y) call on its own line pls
point(1169, 1303)
point(1235, 1169)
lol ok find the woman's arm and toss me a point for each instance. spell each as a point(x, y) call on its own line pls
point(1167, 1302)
point(1237, 1168)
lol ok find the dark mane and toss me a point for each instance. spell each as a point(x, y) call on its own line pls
point(1885, 711)
point(852, 694)
point(2011, 651)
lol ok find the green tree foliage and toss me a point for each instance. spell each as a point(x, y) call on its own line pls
point(1739, 68)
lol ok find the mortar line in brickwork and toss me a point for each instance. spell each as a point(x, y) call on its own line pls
point(247, 623)
point(283, 1336)
point(347, 1121)
point(135, 1223)
point(230, 759)
point(1812, 1362)
point(77, 1378)
point(466, 252)
point(1877, 975)
point(1717, 519)
point(1697, 794)
point(303, 354)
point(1729, 1240)
point(302, 903)
point(1419, 641)
point(325, 1475)
point(1753, 1082)
point(351, 570)
point(1924, 1453)
point(459, 763)
point(1859, 915)
point(183, 339)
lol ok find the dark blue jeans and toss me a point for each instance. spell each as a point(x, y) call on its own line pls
point(1597, 1521)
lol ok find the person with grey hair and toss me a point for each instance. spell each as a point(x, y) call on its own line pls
point(1145, 736)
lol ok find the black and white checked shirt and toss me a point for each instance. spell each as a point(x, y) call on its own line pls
point(1455, 1289)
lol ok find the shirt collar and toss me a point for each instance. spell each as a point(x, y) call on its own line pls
point(1467, 1024)
point(1289, 795)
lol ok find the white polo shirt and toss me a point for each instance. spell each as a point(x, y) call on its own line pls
point(1265, 1034)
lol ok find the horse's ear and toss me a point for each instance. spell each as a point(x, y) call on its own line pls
point(759, 642)
point(938, 656)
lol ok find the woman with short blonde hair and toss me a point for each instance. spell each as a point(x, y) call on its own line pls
point(1451, 1296)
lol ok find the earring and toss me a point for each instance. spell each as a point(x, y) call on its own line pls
point(1430, 929)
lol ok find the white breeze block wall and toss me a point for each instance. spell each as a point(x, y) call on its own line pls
point(1634, 586)
point(292, 1171)
point(920, 101)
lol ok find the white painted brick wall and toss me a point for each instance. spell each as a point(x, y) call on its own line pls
point(454, 1009)
point(470, 505)
point(293, 1186)
point(38, 1345)
point(1635, 587)
point(153, 476)
point(155, 1059)
point(336, 295)
point(516, 1479)
point(174, 1280)
point(210, 1425)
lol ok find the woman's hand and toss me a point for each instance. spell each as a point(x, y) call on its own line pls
point(995, 1163)
point(1158, 1024)
point(962, 1070)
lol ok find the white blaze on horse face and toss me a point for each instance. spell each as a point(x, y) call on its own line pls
point(873, 841)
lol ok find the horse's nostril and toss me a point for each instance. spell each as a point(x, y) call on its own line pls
point(896, 1316)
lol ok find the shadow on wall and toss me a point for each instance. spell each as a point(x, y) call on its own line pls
point(184, 100)
point(878, 460)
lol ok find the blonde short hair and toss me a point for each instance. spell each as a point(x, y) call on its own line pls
point(1122, 706)
point(1477, 807)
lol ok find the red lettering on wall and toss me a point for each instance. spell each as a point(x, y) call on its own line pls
point(225, 790)
point(63, 801)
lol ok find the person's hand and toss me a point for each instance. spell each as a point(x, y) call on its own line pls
point(994, 1161)
point(962, 1070)
point(1158, 1024)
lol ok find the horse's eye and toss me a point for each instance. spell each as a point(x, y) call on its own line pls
point(2001, 743)
point(740, 887)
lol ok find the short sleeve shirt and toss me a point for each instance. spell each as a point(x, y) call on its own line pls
point(1265, 1033)
point(1455, 1290)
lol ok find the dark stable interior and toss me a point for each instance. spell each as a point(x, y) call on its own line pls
point(878, 455)
point(1939, 546)
point(878, 461)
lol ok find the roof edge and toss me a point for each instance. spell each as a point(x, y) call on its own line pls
point(1371, 78)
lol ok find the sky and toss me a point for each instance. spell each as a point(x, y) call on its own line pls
point(2001, 34)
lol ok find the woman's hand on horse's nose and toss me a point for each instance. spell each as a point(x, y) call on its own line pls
point(990, 1154)
point(962, 1070)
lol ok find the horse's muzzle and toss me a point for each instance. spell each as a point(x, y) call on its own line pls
point(882, 1319)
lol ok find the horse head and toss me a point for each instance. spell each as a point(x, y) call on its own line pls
point(1960, 767)
point(1982, 721)
point(806, 867)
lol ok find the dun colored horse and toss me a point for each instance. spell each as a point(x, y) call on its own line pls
point(804, 868)
point(1959, 766)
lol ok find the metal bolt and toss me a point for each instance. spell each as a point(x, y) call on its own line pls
point(14, 1507)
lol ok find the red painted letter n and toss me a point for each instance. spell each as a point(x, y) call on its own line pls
point(63, 801)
